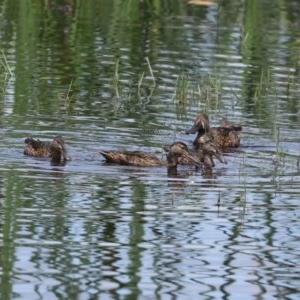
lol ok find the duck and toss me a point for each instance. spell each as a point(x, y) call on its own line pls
point(145, 159)
point(55, 149)
point(207, 149)
point(225, 136)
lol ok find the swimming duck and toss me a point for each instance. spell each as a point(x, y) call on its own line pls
point(55, 149)
point(145, 159)
point(207, 149)
point(225, 136)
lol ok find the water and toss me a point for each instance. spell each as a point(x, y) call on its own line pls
point(88, 230)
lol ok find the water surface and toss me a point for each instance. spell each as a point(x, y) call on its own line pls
point(131, 75)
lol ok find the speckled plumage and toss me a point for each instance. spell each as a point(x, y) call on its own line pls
point(205, 151)
point(55, 149)
point(145, 159)
point(225, 136)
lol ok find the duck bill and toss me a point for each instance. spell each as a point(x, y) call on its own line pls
point(65, 154)
point(221, 158)
point(193, 159)
point(193, 130)
point(237, 127)
point(166, 149)
point(199, 125)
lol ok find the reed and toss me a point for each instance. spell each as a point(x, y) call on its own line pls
point(280, 156)
point(115, 89)
point(208, 89)
point(115, 83)
point(263, 86)
point(5, 65)
point(243, 181)
point(203, 93)
point(292, 84)
point(243, 196)
point(245, 40)
point(182, 88)
point(234, 100)
point(125, 99)
point(140, 81)
point(67, 97)
point(5, 72)
point(216, 84)
point(151, 71)
point(289, 84)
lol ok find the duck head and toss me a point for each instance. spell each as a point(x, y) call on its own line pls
point(58, 148)
point(179, 149)
point(210, 149)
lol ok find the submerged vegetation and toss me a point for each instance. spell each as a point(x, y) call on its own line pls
point(125, 98)
point(67, 98)
point(204, 92)
point(146, 48)
point(5, 72)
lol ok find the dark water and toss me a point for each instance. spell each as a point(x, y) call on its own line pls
point(133, 75)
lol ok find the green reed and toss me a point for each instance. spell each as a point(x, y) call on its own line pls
point(151, 71)
point(140, 82)
point(126, 100)
point(292, 84)
point(209, 91)
point(216, 84)
point(5, 72)
point(115, 82)
point(234, 100)
point(243, 174)
point(115, 89)
point(182, 89)
point(204, 92)
point(280, 154)
point(5, 65)
point(67, 97)
point(263, 86)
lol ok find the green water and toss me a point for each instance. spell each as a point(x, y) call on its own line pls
point(134, 75)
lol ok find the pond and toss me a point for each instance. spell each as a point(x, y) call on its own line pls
point(134, 75)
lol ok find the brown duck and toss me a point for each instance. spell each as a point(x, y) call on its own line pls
point(207, 149)
point(225, 136)
point(55, 149)
point(144, 159)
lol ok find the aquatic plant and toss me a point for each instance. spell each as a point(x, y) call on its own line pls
point(68, 97)
point(140, 81)
point(182, 88)
point(5, 64)
point(115, 81)
point(204, 91)
point(125, 98)
point(5, 72)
